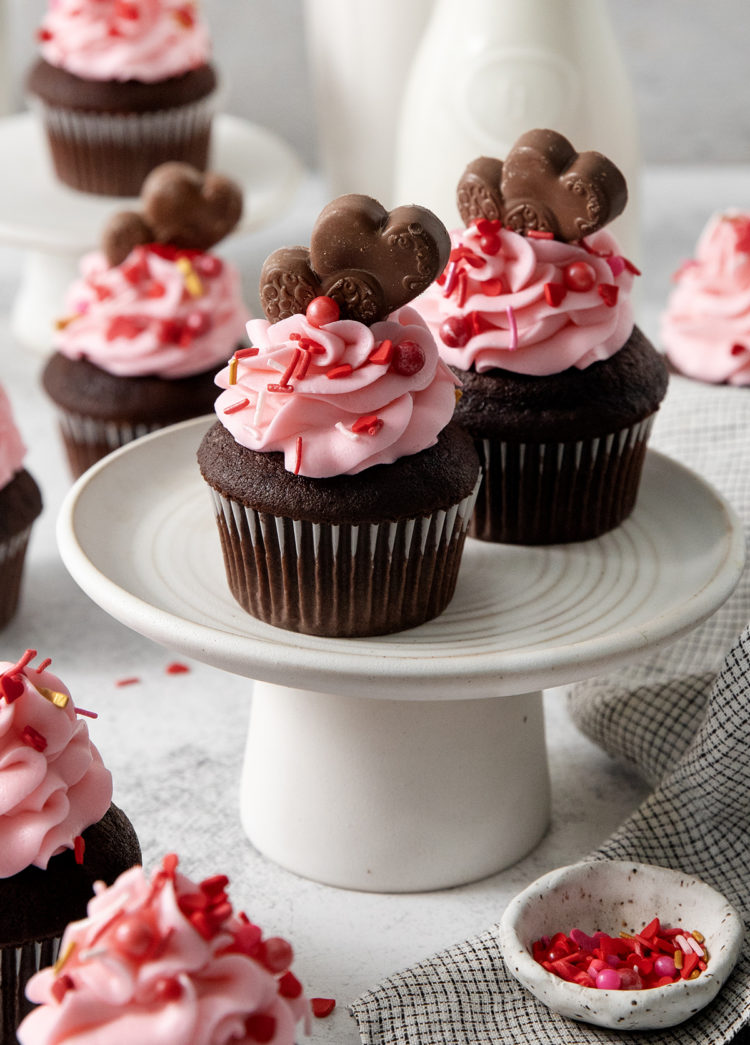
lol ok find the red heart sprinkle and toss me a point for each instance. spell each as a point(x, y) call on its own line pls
point(322, 1006)
point(608, 292)
point(554, 293)
point(12, 687)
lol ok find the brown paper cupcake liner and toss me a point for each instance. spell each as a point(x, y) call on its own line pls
point(12, 558)
point(17, 966)
point(554, 493)
point(111, 153)
point(342, 580)
point(87, 439)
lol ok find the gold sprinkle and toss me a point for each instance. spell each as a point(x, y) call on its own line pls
point(458, 393)
point(694, 974)
point(63, 957)
point(233, 370)
point(60, 700)
point(678, 959)
point(698, 937)
point(193, 284)
point(65, 321)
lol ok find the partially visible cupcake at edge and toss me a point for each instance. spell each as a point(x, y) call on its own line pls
point(152, 315)
point(533, 313)
point(20, 505)
point(161, 958)
point(121, 87)
point(705, 328)
point(342, 491)
point(59, 831)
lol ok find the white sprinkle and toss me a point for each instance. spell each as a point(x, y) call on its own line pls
point(276, 364)
point(695, 946)
point(259, 405)
point(254, 432)
point(346, 431)
point(682, 944)
point(513, 329)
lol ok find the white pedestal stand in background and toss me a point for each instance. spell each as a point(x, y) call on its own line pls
point(55, 224)
point(412, 761)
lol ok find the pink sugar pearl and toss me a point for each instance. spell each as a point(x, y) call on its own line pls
point(608, 980)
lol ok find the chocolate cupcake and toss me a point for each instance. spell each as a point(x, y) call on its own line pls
point(122, 87)
point(150, 318)
point(161, 957)
point(533, 314)
point(60, 831)
point(20, 505)
point(342, 493)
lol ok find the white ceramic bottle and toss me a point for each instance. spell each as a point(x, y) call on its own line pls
point(360, 56)
point(488, 70)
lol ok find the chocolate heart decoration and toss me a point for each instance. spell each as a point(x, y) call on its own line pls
point(549, 187)
point(189, 209)
point(369, 260)
point(479, 194)
point(182, 207)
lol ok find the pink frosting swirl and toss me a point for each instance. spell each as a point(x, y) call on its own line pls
point(529, 305)
point(705, 329)
point(146, 40)
point(12, 449)
point(53, 784)
point(160, 312)
point(165, 960)
point(338, 398)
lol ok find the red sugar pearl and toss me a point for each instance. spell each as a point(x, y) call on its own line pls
point(322, 310)
point(579, 276)
point(278, 954)
point(490, 243)
point(168, 989)
point(408, 358)
point(198, 322)
point(454, 332)
point(135, 938)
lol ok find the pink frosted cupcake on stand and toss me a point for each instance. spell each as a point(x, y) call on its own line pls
point(705, 329)
point(151, 317)
point(20, 505)
point(121, 87)
point(163, 958)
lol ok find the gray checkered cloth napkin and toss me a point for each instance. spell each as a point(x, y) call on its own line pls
point(682, 719)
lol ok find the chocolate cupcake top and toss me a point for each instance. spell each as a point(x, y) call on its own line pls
point(53, 784)
point(163, 959)
point(12, 449)
point(534, 284)
point(144, 40)
point(705, 328)
point(336, 380)
point(154, 300)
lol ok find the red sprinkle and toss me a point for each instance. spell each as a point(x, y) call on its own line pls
point(79, 848)
point(33, 738)
point(12, 686)
point(175, 668)
point(261, 1027)
point(86, 714)
point(245, 353)
point(322, 1007)
point(60, 987)
point(382, 353)
point(298, 455)
point(43, 665)
point(289, 985)
point(369, 423)
point(341, 370)
point(539, 234)
point(737, 349)
point(233, 408)
point(131, 680)
point(608, 292)
point(554, 293)
point(280, 388)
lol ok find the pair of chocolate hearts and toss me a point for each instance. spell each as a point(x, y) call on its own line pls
point(544, 185)
point(369, 260)
point(181, 206)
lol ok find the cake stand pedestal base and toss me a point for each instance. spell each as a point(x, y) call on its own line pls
point(45, 278)
point(394, 795)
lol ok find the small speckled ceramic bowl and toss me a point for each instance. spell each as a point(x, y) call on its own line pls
point(614, 896)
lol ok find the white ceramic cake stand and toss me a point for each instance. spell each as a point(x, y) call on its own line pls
point(412, 761)
point(56, 224)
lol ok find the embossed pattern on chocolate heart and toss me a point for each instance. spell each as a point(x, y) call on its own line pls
point(549, 187)
point(403, 250)
point(189, 209)
point(479, 194)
